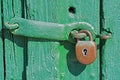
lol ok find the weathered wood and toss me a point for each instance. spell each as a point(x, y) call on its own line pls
point(51, 60)
point(15, 46)
point(1, 47)
point(110, 49)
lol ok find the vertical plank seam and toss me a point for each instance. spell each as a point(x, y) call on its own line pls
point(23, 8)
point(101, 41)
point(3, 40)
point(25, 54)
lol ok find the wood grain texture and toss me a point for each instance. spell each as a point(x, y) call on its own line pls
point(52, 60)
point(43, 55)
point(110, 52)
point(1, 47)
point(15, 47)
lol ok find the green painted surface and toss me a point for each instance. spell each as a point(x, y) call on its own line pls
point(110, 51)
point(43, 62)
point(69, 67)
point(15, 46)
point(52, 60)
point(44, 59)
point(1, 47)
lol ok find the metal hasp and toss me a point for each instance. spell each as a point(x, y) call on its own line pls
point(38, 29)
point(47, 30)
point(86, 50)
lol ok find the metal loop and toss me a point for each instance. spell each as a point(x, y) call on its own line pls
point(105, 37)
point(88, 33)
point(11, 26)
point(77, 35)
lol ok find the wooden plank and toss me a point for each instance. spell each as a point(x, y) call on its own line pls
point(43, 55)
point(55, 60)
point(111, 48)
point(15, 46)
point(87, 11)
point(1, 47)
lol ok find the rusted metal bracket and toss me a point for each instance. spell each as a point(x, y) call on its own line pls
point(47, 30)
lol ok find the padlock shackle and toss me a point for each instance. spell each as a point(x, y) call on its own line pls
point(88, 33)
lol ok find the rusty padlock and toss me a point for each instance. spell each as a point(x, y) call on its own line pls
point(86, 50)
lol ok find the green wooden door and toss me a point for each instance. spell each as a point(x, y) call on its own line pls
point(25, 58)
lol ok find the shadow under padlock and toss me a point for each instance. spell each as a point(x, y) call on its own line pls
point(86, 50)
point(74, 67)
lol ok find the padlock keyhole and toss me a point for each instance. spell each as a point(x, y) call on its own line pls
point(84, 51)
